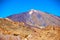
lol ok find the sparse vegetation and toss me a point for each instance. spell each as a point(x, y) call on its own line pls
point(30, 33)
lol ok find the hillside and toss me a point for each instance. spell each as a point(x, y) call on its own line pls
point(10, 30)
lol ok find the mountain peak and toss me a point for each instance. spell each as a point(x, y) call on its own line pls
point(32, 11)
point(36, 18)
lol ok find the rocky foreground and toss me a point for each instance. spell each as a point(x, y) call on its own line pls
point(10, 30)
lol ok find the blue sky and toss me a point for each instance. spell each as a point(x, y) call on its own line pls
point(9, 7)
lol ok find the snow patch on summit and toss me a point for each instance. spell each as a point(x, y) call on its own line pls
point(32, 10)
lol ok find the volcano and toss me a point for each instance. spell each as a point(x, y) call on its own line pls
point(36, 18)
point(30, 25)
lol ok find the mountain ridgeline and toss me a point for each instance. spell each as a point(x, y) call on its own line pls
point(36, 18)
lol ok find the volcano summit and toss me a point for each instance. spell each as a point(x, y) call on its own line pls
point(36, 18)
